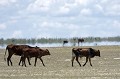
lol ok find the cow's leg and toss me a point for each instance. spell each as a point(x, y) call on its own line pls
point(20, 60)
point(11, 62)
point(72, 60)
point(90, 61)
point(77, 60)
point(23, 61)
point(35, 61)
point(28, 58)
point(9, 59)
point(42, 61)
point(86, 61)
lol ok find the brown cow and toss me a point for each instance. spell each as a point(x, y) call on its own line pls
point(34, 52)
point(16, 50)
point(64, 42)
point(84, 52)
point(80, 40)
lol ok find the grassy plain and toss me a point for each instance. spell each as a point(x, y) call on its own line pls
point(58, 65)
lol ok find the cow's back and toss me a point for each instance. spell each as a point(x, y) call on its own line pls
point(31, 52)
point(81, 52)
point(18, 49)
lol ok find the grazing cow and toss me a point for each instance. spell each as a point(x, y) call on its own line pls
point(16, 50)
point(64, 42)
point(84, 52)
point(34, 52)
point(80, 40)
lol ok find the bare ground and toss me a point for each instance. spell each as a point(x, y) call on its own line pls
point(58, 66)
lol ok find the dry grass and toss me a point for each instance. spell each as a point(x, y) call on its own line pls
point(58, 66)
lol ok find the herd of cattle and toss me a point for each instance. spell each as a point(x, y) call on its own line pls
point(26, 51)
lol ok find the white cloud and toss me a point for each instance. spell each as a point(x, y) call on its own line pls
point(6, 2)
point(46, 24)
point(104, 1)
point(17, 34)
point(58, 25)
point(114, 9)
point(64, 10)
point(116, 24)
point(73, 27)
point(54, 17)
point(111, 7)
point(45, 35)
point(86, 11)
point(2, 26)
point(99, 8)
point(81, 2)
point(40, 5)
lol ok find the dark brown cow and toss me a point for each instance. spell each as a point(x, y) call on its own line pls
point(64, 42)
point(84, 52)
point(16, 50)
point(34, 52)
point(80, 40)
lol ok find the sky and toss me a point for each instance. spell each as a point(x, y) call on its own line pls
point(59, 18)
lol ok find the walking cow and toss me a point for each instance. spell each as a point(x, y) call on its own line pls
point(16, 50)
point(34, 52)
point(84, 52)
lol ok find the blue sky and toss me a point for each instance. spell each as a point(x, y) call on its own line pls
point(59, 18)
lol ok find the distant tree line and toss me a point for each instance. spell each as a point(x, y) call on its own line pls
point(56, 40)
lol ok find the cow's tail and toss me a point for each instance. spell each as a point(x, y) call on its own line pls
point(5, 53)
point(73, 54)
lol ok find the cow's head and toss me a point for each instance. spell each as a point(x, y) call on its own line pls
point(10, 46)
point(47, 52)
point(97, 52)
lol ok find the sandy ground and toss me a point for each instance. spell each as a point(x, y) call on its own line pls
point(58, 65)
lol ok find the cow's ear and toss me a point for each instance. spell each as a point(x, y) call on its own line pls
point(36, 47)
point(98, 50)
point(47, 50)
point(11, 46)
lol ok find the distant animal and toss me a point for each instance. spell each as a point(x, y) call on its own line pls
point(34, 52)
point(16, 50)
point(84, 52)
point(80, 40)
point(64, 42)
